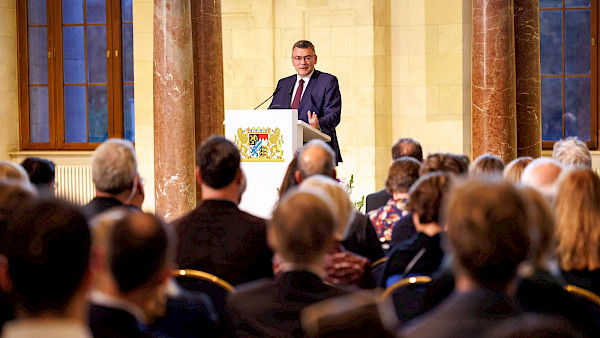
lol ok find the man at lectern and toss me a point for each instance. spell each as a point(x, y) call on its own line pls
point(315, 94)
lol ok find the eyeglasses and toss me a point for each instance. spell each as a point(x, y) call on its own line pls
point(305, 58)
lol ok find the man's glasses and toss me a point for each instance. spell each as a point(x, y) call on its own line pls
point(305, 58)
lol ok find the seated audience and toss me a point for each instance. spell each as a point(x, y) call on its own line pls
point(301, 234)
point(402, 174)
point(578, 228)
point(540, 286)
point(49, 266)
point(11, 170)
point(572, 152)
point(487, 231)
point(317, 158)
point(170, 310)
point(114, 172)
point(487, 166)
point(138, 258)
point(450, 163)
point(541, 174)
point(404, 147)
point(217, 237)
point(513, 171)
point(422, 254)
point(41, 174)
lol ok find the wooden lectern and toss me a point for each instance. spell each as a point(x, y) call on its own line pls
point(267, 140)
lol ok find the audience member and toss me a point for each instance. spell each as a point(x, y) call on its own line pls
point(422, 254)
point(513, 171)
point(578, 228)
point(138, 258)
point(541, 174)
point(487, 166)
point(317, 158)
point(49, 266)
point(487, 231)
point(541, 287)
point(403, 172)
point(289, 179)
point(114, 172)
point(301, 234)
point(11, 170)
point(404, 147)
point(572, 152)
point(404, 229)
point(41, 174)
point(217, 237)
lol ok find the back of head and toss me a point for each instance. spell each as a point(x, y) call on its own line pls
point(407, 147)
point(301, 229)
point(443, 162)
point(487, 166)
point(15, 195)
point(343, 207)
point(114, 165)
point(219, 161)
point(316, 157)
point(578, 220)
point(49, 256)
point(541, 174)
point(426, 196)
point(541, 225)
point(487, 228)
point(11, 170)
point(403, 172)
point(513, 171)
point(571, 151)
point(138, 252)
point(41, 172)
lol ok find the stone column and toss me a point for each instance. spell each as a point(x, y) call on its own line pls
point(527, 61)
point(208, 70)
point(493, 79)
point(173, 109)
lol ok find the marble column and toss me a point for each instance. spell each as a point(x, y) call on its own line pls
point(174, 144)
point(527, 61)
point(208, 70)
point(493, 79)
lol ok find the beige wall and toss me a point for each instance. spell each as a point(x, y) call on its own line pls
point(9, 118)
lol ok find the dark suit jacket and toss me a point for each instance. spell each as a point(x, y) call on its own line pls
point(271, 308)
point(362, 238)
point(113, 322)
point(377, 200)
point(218, 238)
point(189, 315)
point(322, 95)
point(101, 204)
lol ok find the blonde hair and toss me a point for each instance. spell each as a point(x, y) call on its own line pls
point(513, 171)
point(343, 209)
point(578, 220)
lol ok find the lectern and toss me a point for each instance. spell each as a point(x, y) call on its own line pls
point(267, 140)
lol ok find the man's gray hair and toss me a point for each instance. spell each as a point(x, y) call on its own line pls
point(316, 157)
point(114, 165)
point(572, 151)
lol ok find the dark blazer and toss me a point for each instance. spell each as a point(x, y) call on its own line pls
point(362, 238)
point(271, 308)
point(118, 323)
point(218, 238)
point(322, 95)
point(101, 204)
point(377, 200)
point(189, 315)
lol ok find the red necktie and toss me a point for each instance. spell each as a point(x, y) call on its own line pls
point(298, 95)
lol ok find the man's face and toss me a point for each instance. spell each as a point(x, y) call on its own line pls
point(304, 60)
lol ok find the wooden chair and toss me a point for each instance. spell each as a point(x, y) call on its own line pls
point(379, 261)
point(417, 280)
point(200, 281)
point(583, 293)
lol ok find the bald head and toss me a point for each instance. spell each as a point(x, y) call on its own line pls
point(316, 157)
point(541, 174)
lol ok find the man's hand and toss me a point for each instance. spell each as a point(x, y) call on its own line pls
point(313, 120)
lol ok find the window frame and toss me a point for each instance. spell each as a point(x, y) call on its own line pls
point(594, 90)
point(56, 108)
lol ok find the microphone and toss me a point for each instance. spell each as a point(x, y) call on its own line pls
point(275, 92)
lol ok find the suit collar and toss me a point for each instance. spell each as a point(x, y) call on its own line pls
point(307, 96)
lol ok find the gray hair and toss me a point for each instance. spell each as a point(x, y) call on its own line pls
point(114, 166)
point(572, 151)
point(316, 157)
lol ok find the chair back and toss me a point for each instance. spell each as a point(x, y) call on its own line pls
point(200, 281)
point(583, 293)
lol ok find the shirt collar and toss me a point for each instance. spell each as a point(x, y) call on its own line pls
point(98, 297)
point(305, 78)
